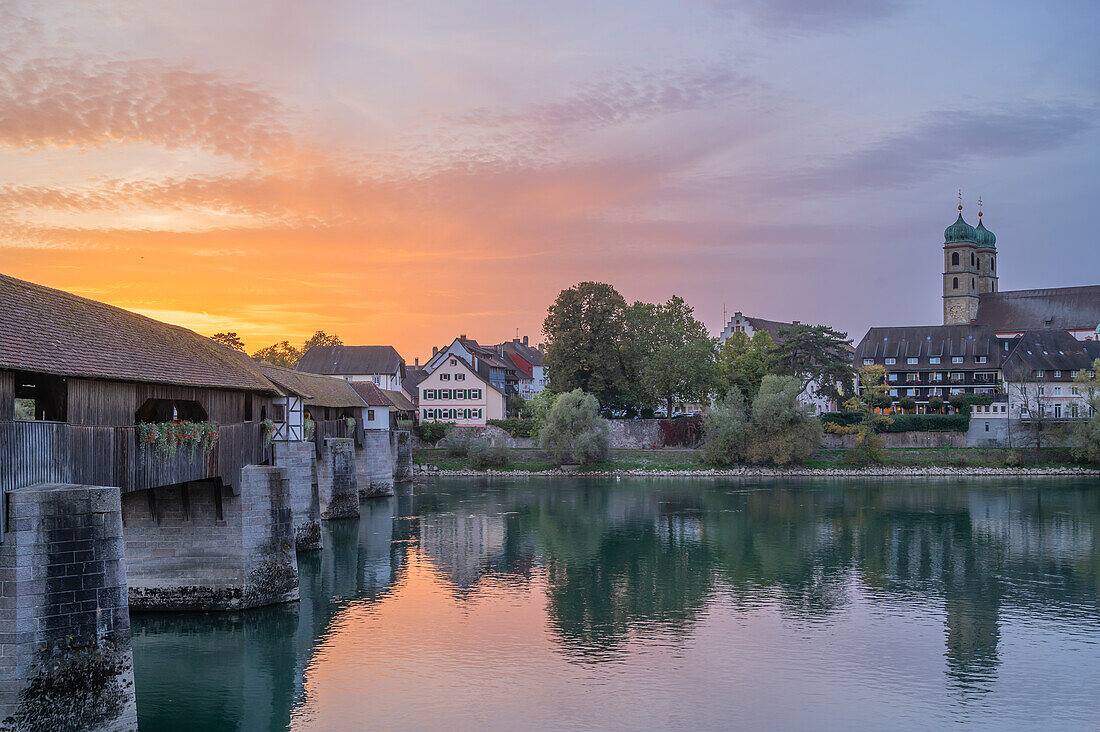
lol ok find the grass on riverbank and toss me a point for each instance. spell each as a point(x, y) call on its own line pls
point(533, 460)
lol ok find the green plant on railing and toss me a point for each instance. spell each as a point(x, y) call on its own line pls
point(166, 438)
point(268, 426)
point(309, 428)
point(349, 422)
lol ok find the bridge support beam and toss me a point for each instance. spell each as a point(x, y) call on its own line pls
point(374, 465)
point(65, 654)
point(197, 547)
point(337, 486)
point(305, 503)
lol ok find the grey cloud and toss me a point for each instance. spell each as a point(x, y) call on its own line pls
point(811, 14)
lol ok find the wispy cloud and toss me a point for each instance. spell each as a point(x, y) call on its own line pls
point(811, 15)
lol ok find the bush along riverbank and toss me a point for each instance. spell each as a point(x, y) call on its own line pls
point(900, 462)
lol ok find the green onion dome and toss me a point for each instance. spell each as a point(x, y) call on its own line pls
point(959, 231)
point(983, 237)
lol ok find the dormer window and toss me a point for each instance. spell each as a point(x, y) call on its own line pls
point(891, 361)
point(868, 362)
point(956, 359)
point(910, 360)
point(934, 360)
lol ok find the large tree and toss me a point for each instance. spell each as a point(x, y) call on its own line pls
point(743, 362)
point(280, 354)
point(680, 364)
point(230, 339)
point(321, 338)
point(584, 330)
point(816, 355)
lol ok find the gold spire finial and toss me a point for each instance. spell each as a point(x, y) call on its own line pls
point(979, 207)
point(960, 201)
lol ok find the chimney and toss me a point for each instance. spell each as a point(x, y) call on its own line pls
point(525, 340)
point(462, 339)
point(435, 350)
point(416, 361)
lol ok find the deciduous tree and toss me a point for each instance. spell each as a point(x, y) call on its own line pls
point(280, 354)
point(680, 364)
point(584, 330)
point(743, 362)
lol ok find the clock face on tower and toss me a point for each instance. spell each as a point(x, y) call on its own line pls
point(956, 313)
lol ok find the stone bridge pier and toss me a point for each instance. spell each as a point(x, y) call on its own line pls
point(337, 486)
point(65, 653)
point(305, 502)
point(198, 546)
point(374, 465)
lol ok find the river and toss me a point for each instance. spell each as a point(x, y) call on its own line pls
point(663, 604)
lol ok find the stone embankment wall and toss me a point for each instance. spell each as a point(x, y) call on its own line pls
point(197, 547)
point(900, 440)
point(65, 655)
point(337, 483)
point(296, 458)
point(633, 434)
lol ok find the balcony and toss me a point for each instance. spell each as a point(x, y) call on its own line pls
point(58, 452)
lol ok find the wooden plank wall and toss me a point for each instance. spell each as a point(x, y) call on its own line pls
point(33, 452)
point(94, 402)
point(7, 396)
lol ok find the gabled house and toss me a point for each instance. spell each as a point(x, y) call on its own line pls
point(379, 408)
point(488, 361)
point(1039, 374)
point(528, 363)
point(455, 392)
point(382, 365)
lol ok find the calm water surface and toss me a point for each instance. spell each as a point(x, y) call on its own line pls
point(653, 604)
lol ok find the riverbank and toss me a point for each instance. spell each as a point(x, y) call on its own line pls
point(826, 463)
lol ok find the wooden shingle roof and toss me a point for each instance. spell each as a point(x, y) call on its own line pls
point(54, 332)
point(316, 390)
point(371, 394)
point(1066, 308)
point(923, 341)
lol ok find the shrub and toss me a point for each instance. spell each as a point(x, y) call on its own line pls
point(1088, 438)
point(517, 427)
point(458, 445)
point(1013, 459)
point(484, 454)
point(867, 451)
point(725, 428)
point(935, 404)
point(844, 419)
point(907, 403)
point(839, 429)
point(574, 430)
point(433, 431)
point(927, 423)
point(781, 430)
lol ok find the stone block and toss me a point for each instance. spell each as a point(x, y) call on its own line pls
point(337, 484)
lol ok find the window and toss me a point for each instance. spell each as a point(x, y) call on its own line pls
point(971, 259)
point(955, 261)
point(1038, 373)
point(981, 359)
point(956, 359)
point(938, 376)
point(934, 360)
point(1057, 411)
point(893, 392)
point(278, 413)
point(1041, 391)
point(868, 362)
point(460, 377)
point(1057, 390)
point(954, 283)
point(166, 410)
point(910, 392)
point(444, 393)
point(891, 377)
point(891, 361)
point(454, 362)
point(444, 377)
point(1073, 374)
point(972, 281)
point(1073, 411)
point(475, 393)
point(1057, 374)
point(42, 397)
point(993, 266)
point(1075, 390)
point(376, 379)
point(910, 360)
point(428, 394)
point(987, 426)
point(912, 377)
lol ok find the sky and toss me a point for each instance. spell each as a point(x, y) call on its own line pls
point(403, 172)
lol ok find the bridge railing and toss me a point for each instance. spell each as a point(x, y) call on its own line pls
point(33, 452)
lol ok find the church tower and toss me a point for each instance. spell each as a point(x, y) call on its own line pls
point(961, 272)
point(986, 255)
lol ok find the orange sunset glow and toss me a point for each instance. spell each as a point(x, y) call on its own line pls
point(399, 175)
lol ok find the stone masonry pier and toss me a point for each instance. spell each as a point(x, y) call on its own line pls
point(197, 546)
point(65, 654)
point(296, 457)
point(374, 465)
point(337, 485)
